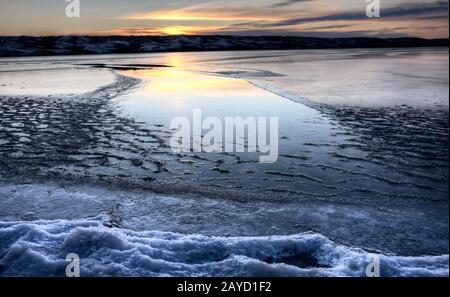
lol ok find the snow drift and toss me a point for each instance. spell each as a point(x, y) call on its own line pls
point(39, 248)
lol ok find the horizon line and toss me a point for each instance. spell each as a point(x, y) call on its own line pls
point(226, 35)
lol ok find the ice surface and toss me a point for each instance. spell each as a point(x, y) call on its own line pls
point(391, 148)
point(45, 82)
point(354, 165)
point(360, 77)
point(121, 252)
point(334, 156)
point(363, 78)
point(389, 230)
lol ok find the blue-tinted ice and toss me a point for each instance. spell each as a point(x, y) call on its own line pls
point(363, 144)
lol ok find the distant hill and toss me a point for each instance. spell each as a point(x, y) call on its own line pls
point(77, 45)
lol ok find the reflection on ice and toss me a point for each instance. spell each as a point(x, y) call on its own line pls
point(390, 161)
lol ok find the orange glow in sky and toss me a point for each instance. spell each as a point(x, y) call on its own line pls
point(317, 18)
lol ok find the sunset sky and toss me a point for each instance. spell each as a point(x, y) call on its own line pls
point(329, 18)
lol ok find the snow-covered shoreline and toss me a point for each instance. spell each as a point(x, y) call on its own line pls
point(39, 248)
point(73, 45)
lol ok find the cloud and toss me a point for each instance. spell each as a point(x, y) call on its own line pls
point(414, 10)
point(288, 3)
point(211, 12)
point(278, 17)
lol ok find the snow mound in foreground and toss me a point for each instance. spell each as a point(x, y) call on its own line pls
point(39, 248)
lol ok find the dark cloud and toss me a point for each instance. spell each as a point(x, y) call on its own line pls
point(329, 27)
point(311, 33)
point(412, 10)
point(288, 2)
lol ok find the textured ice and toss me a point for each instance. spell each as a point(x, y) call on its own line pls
point(354, 166)
point(39, 249)
point(389, 230)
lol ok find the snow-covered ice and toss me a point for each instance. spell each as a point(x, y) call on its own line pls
point(39, 248)
point(85, 164)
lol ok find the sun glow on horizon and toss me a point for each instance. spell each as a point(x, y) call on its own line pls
point(176, 30)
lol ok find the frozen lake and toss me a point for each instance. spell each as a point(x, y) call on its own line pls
point(363, 157)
